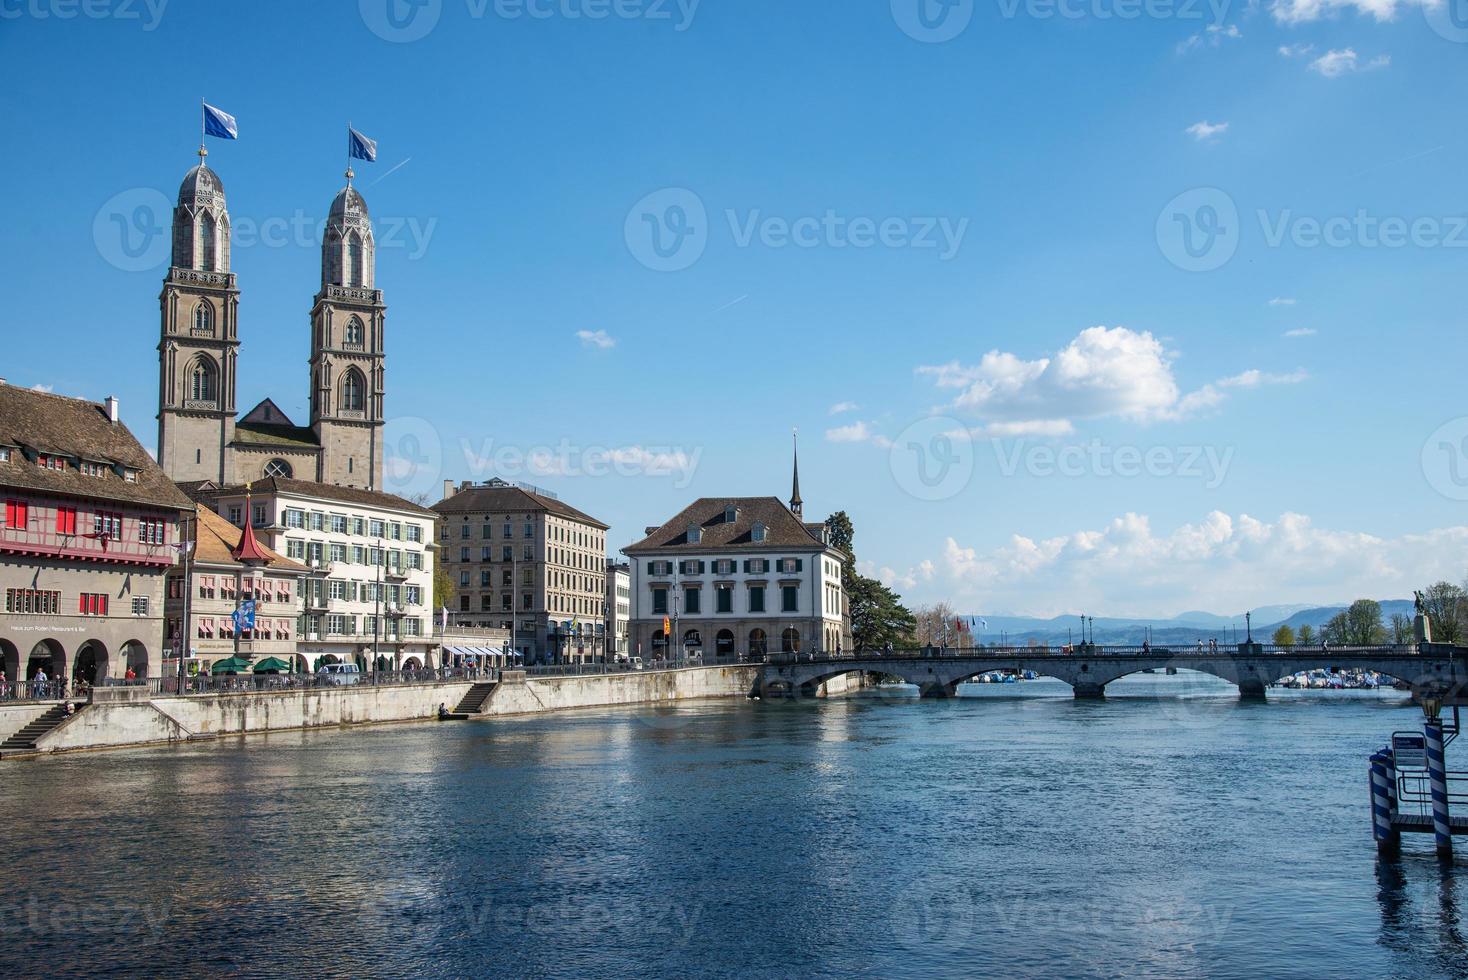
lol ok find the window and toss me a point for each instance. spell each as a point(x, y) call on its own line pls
point(757, 566)
point(92, 604)
point(34, 601)
point(140, 605)
point(236, 516)
point(203, 381)
point(89, 468)
point(338, 552)
point(354, 394)
point(16, 514)
point(415, 533)
point(789, 598)
point(724, 567)
point(338, 524)
point(529, 530)
point(731, 513)
point(295, 518)
point(258, 516)
point(352, 336)
point(414, 595)
point(692, 601)
point(317, 521)
point(4, 454)
point(353, 276)
point(756, 598)
point(203, 319)
point(106, 524)
point(724, 599)
point(695, 534)
point(150, 530)
point(463, 580)
point(376, 527)
point(660, 602)
point(758, 533)
point(295, 550)
point(48, 461)
point(528, 554)
point(207, 243)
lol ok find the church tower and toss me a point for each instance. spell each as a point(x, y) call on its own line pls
point(347, 350)
point(198, 351)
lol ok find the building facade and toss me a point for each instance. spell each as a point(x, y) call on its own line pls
point(91, 527)
point(732, 577)
point(619, 608)
point(521, 559)
point(220, 573)
point(199, 436)
point(369, 565)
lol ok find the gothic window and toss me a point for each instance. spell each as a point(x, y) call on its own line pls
point(278, 468)
point(203, 320)
point(353, 392)
point(203, 381)
point(207, 243)
point(353, 275)
point(353, 336)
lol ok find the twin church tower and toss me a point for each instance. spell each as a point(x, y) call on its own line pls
point(199, 436)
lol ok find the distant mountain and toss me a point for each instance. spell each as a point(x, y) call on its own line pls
point(1317, 616)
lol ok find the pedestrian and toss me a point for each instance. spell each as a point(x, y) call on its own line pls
point(131, 674)
point(1200, 644)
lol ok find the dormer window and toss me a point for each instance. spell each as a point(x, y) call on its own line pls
point(4, 454)
point(90, 468)
point(759, 532)
point(731, 514)
point(47, 461)
point(695, 534)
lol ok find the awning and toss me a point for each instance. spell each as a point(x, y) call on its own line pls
point(272, 664)
point(231, 665)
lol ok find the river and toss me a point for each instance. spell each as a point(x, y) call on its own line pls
point(1170, 830)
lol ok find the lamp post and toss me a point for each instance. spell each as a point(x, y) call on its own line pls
point(186, 548)
point(377, 617)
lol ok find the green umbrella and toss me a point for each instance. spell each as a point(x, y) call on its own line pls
point(234, 665)
point(272, 664)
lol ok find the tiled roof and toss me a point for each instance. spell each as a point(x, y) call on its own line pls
point(307, 488)
point(782, 528)
point(495, 499)
point(78, 429)
point(217, 539)
point(265, 434)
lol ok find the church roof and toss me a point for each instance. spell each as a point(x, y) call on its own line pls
point(348, 197)
point(39, 422)
point(265, 434)
point(782, 528)
point(200, 186)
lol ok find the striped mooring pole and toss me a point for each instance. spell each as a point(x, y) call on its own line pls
point(1437, 778)
point(1388, 838)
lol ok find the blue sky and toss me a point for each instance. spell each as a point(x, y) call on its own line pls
point(1188, 399)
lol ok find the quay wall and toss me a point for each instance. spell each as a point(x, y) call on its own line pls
point(14, 717)
point(608, 690)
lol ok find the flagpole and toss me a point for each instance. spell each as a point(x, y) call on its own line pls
point(349, 153)
point(202, 131)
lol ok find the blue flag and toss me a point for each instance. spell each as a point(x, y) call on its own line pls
point(220, 124)
point(244, 616)
point(360, 147)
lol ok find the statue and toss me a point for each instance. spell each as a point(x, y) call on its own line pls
point(1421, 605)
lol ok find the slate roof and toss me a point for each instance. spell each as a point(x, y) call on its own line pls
point(507, 497)
point(32, 421)
point(782, 528)
point(266, 434)
point(308, 488)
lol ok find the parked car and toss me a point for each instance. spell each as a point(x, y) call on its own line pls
point(340, 674)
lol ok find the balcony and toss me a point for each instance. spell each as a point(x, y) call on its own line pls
point(395, 573)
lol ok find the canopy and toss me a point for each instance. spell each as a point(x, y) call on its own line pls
point(272, 664)
point(233, 665)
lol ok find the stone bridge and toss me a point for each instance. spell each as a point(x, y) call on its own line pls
point(1433, 669)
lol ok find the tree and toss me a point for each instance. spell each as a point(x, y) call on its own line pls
point(877, 615)
point(443, 588)
point(1335, 630)
point(842, 536)
point(1306, 636)
point(1363, 624)
point(1446, 606)
point(1283, 637)
point(935, 625)
point(1401, 629)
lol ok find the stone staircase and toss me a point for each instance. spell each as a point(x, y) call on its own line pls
point(25, 739)
point(473, 702)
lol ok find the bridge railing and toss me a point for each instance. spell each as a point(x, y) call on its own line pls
point(1093, 650)
point(1413, 790)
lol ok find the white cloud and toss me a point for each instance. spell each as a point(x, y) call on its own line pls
point(841, 408)
point(1281, 301)
point(855, 432)
point(1255, 378)
point(924, 571)
point(44, 389)
point(1213, 36)
point(1205, 130)
point(1306, 11)
point(1223, 563)
point(1301, 332)
point(1295, 50)
point(596, 339)
point(1334, 64)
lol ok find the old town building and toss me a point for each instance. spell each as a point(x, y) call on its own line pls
point(520, 558)
point(90, 529)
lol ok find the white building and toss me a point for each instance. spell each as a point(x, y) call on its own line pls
point(369, 557)
point(738, 576)
point(619, 608)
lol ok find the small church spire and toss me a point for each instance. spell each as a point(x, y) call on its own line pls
point(248, 550)
point(796, 505)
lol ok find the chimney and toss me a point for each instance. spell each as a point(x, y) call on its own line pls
point(112, 409)
point(448, 489)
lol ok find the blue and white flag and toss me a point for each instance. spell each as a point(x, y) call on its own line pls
point(220, 124)
point(360, 147)
point(244, 616)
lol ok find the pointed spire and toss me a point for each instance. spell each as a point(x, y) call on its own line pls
point(796, 505)
point(248, 551)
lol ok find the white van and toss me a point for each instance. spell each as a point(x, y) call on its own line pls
point(342, 674)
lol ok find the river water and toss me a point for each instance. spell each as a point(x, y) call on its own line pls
point(1171, 830)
